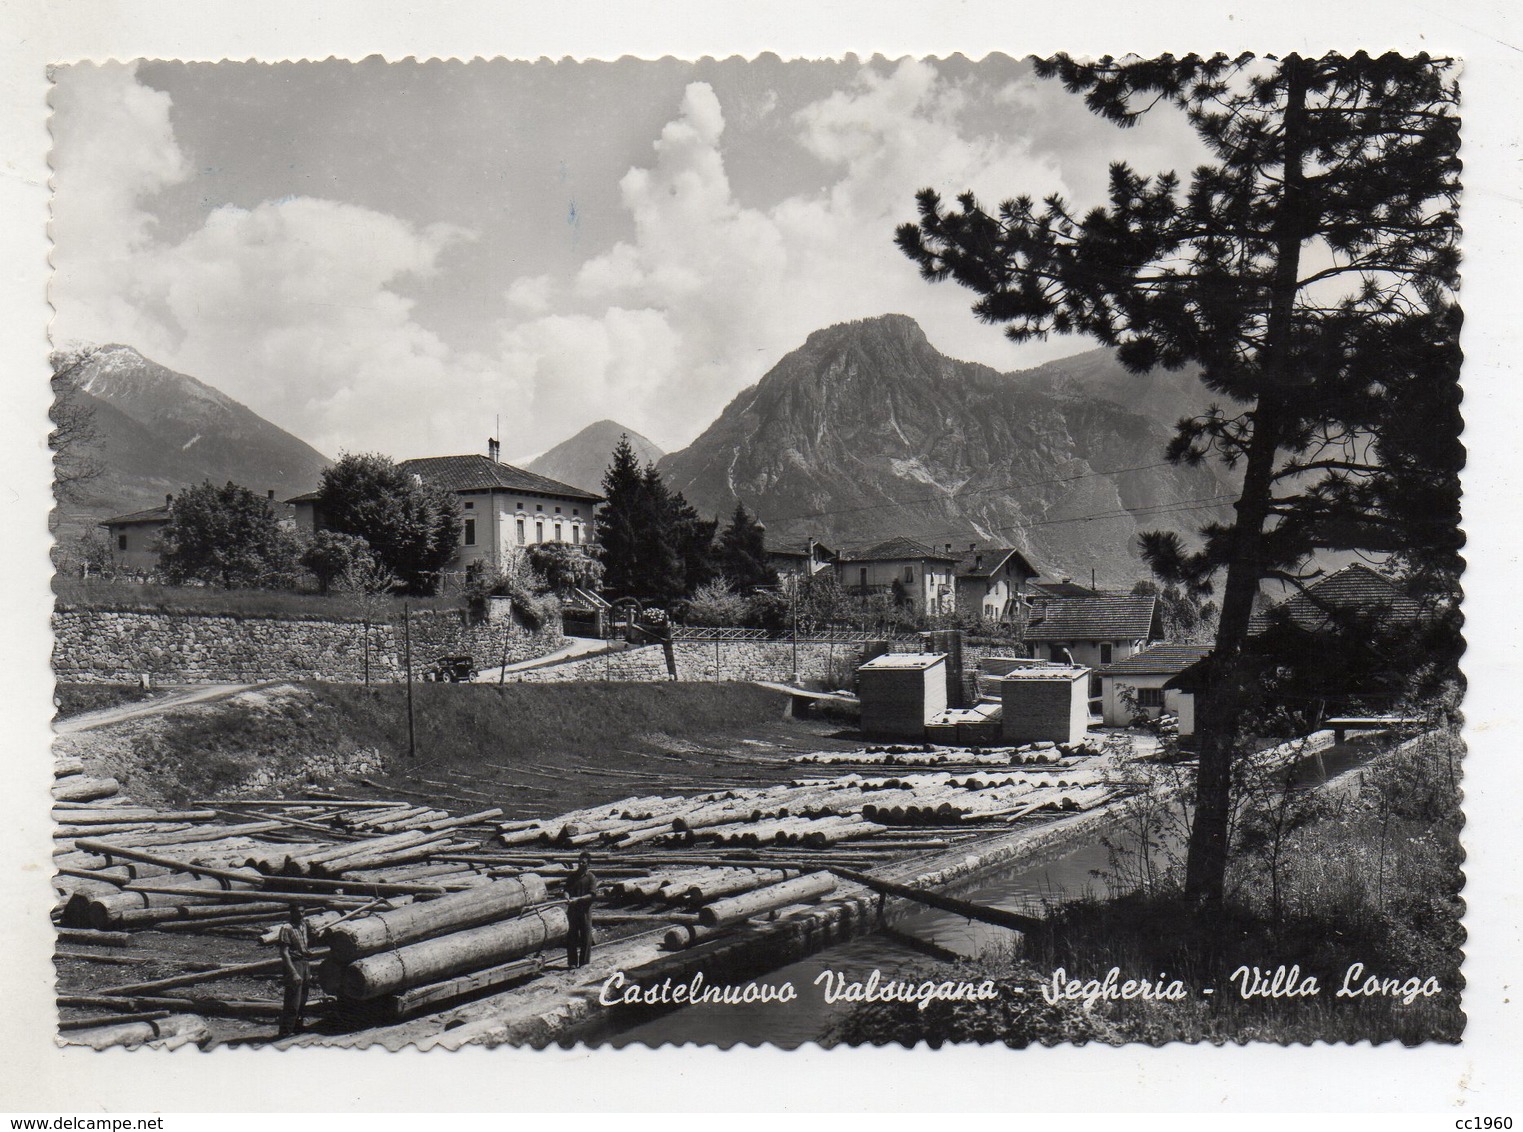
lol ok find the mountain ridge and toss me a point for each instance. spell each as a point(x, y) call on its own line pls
point(580, 460)
point(866, 431)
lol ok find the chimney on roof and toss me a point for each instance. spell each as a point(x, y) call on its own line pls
point(494, 450)
point(972, 546)
point(269, 493)
point(978, 562)
point(949, 548)
point(169, 498)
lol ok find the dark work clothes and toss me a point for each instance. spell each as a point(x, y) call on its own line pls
point(295, 974)
point(581, 887)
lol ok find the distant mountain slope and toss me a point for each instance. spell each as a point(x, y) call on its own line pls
point(866, 432)
point(582, 460)
point(158, 431)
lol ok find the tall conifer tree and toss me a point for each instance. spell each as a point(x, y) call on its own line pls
point(1320, 237)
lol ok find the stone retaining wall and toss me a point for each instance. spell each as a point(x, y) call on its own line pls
point(117, 647)
point(822, 661)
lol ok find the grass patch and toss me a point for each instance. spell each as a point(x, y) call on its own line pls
point(77, 699)
point(1372, 876)
point(533, 749)
point(85, 594)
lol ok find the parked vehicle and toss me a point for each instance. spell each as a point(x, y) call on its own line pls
point(451, 670)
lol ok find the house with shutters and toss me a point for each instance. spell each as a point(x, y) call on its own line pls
point(992, 584)
point(503, 508)
point(134, 537)
point(920, 577)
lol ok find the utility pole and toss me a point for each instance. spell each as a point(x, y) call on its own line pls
point(412, 744)
point(794, 590)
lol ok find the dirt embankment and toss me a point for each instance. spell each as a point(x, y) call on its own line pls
point(535, 750)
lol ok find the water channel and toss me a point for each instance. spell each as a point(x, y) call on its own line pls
point(1023, 887)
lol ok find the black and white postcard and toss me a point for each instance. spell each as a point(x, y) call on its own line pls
point(937, 551)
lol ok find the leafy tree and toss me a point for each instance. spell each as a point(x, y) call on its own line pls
point(742, 554)
point(1186, 616)
point(564, 567)
point(412, 528)
point(330, 555)
point(75, 463)
point(225, 536)
point(715, 603)
point(1307, 269)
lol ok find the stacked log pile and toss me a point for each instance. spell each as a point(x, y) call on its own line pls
point(414, 908)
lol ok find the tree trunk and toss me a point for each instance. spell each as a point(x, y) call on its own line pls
point(1222, 705)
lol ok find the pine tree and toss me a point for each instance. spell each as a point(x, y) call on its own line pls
point(620, 519)
point(1321, 237)
point(742, 554)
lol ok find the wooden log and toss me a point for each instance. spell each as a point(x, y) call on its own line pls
point(79, 788)
point(203, 1004)
point(498, 900)
point(70, 832)
point(685, 935)
point(122, 815)
point(413, 1001)
point(180, 913)
point(767, 899)
point(478, 818)
point(99, 939)
point(393, 856)
point(318, 884)
point(157, 1028)
point(740, 880)
point(104, 911)
point(431, 960)
point(189, 837)
point(261, 967)
point(66, 765)
point(94, 1020)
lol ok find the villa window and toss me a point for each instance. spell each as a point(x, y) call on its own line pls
point(539, 532)
point(121, 542)
point(1150, 697)
point(909, 574)
point(557, 530)
point(520, 532)
point(470, 532)
point(576, 536)
point(1106, 650)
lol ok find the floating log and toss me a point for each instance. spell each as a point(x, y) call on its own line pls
point(685, 935)
point(79, 788)
point(497, 900)
point(767, 899)
point(189, 837)
point(431, 960)
point(66, 765)
point(413, 1001)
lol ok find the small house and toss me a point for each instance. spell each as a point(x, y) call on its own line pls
point(920, 577)
point(991, 584)
point(134, 537)
point(1144, 680)
point(1096, 630)
point(799, 558)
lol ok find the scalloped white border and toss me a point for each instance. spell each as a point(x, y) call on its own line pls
point(1479, 1076)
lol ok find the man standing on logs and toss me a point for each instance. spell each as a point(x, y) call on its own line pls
point(581, 886)
point(295, 971)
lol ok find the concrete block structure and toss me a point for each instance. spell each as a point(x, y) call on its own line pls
point(1049, 703)
point(901, 693)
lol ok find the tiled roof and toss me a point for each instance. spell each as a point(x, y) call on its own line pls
point(1099, 617)
point(152, 515)
point(897, 550)
point(989, 560)
point(1040, 588)
point(1160, 660)
point(304, 497)
point(480, 473)
point(1354, 588)
point(795, 548)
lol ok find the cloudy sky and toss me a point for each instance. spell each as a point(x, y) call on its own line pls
point(389, 256)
